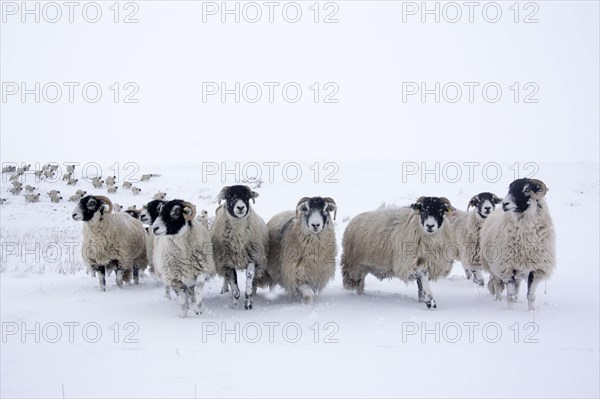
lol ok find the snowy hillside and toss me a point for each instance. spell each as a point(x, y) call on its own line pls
point(62, 337)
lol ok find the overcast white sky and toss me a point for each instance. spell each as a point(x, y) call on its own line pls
point(370, 56)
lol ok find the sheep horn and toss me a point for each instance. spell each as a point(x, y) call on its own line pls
point(186, 215)
point(543, 189)
point(420, 200)
point(221, 195)
point(106, 201)
point(447, 202)
point(330, 200)
point(303, 199)
point(471, 203)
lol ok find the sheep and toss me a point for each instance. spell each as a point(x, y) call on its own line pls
point(70, 168)
point(15, 177)
point(135, 190)
point(75, 198)
point(183, 253)
point(30, 198)
point(466, 227)
point(67, 176)
point(97, 183)
point(160, 196)
point(302, 248)
point(56, 198)
point(30, 189)
point(9, 169)
point(2, 201)
point(53, 193)
point(518, 241)
point(147, 177)
point(81, 192)
point(72, 182)
point(203, 218)
point(405, 242)
point(15, 190)
point(111, 241)
point(240, 241)
point(110, 180)
point(17, 184)
point(38, 173)
point(127, 185)
point(112, 189)
point(134, 213)
point(148, 216)
point(49, 174)
point(117, 207)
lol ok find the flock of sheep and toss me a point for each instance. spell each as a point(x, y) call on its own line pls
point(297, 249)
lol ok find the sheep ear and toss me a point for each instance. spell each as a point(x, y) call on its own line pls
point(331, 207)
point(222, 194)
point(253, 196)
point(496, 199)
point(416, 206)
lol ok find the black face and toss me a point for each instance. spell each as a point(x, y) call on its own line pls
point(132, 213)
point(432, 211)
point(238, 200)
point(485, 203)
point(171, 218)
point(87, 208)
point(519, 194)
point(315, 213)
point(151, 211)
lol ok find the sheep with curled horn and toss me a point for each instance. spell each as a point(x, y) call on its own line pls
point(302, 248)
point(410, 243)
point(111, 241)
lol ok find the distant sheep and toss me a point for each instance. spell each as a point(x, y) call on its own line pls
point(81, 192)
point(111, 241)
point(67, 176)
point(127, 185)
point(110, 180)
point(15, 190)
point(2, 201)
point(147, 177)
point(518, 241)
point(53, 193)
point(9, 169)
point(75, 198)
point(160, 196)
point(72, 182)
point(112, 189)
point(30, 189)
point(135, 190)
point(97, 183)
point(302, 248)
point(240, 241)
point(117, 207)
point(56, 198)
point(32, 197)
point(411, 243)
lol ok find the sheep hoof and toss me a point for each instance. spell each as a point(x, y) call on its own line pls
point(199, 309)
point(431, 304)
point(248, 305)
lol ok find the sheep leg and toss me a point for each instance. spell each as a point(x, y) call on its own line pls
point(198, 290)
point(420, 289)
point(136, 275)
point(532, 282)
point(102, 278)
point(182, 297)
point(249, 285)
point(231, 277)
point(424, 277)
point(307, 293)
point(468, 273)
point(477, 277)
point(119, 277)
point(225, 287)
point(511, 291)
point(167, 292)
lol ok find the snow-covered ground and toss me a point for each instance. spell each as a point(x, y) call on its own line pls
point(62, 337)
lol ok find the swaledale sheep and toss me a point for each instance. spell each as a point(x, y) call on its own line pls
point(240, 241)
point(67, 176)
point(411, 243)
point(127, 185)
point(15, 190)
point(518, 241)
point(466, 227)
point(30, 189)
point(148, 216)
point(111, 241)
point(148, 176)
point(112, 189)
point(75, 198)
point(53, 193)
point(72, 182)
point(2, 201)
point(183, 253)
point(56, 198)
point(117, 207)
point(136, 190)
point(81, 192)
point(160, 196)
point(302, 248)
point(110, 180)
point(9, 169)
point(16, 183)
